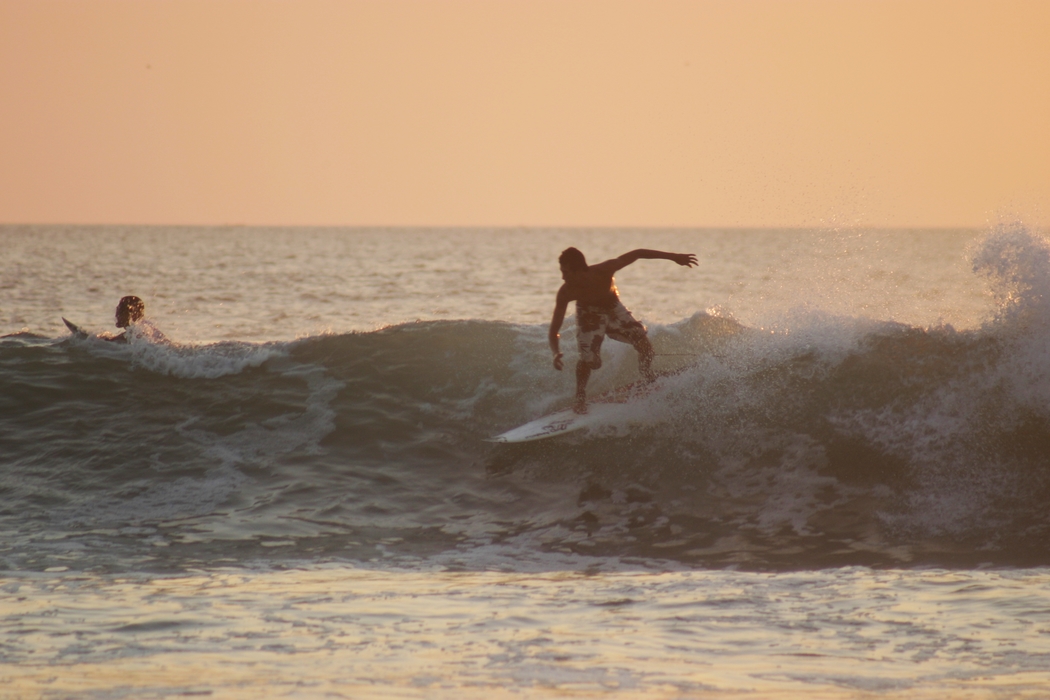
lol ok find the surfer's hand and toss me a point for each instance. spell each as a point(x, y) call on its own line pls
point(557, 361)
point(686, 259)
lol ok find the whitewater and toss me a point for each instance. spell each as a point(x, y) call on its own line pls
point(841, 492)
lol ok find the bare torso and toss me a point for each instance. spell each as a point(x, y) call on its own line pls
point(590, 287)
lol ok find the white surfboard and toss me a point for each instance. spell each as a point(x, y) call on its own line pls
point(603, 409)
point(561, 423)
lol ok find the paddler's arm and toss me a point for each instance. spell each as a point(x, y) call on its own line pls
point(611, 266)
point(560, 305)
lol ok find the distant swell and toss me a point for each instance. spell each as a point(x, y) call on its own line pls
point(825, 441)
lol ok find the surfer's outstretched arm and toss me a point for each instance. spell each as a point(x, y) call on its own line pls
point(560, 305)
point(684, 259)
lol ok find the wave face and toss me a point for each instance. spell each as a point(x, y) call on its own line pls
point(819, 441)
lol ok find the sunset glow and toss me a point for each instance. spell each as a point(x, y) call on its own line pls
point(463, 113)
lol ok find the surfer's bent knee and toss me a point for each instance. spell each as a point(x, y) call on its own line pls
point(591, 362)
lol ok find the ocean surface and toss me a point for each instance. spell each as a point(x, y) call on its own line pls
point(842, 492)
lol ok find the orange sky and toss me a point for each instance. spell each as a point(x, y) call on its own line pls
point(506, 112)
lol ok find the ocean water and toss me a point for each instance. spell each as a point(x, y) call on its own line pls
point(842, 493)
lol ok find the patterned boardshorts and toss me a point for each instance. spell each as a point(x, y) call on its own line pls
point(593, 323)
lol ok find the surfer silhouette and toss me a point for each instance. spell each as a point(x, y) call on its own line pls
point(131, 311)
point(600, 313)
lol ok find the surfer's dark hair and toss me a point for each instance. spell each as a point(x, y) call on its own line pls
point(135, 307)
point(573, 259)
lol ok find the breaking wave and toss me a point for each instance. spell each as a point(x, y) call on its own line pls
point(822, 441)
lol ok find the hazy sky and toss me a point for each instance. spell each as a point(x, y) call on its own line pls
point(505, 112)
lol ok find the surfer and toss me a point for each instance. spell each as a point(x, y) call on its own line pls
point(599, 312)
point(132, 311)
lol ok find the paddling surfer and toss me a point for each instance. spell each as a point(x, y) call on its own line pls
point(600, 313)
point(131, 311)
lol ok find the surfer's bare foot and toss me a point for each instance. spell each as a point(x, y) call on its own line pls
point(579, 405)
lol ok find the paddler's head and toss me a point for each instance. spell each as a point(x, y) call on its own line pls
point(129, 310)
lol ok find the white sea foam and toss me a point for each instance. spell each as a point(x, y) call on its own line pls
point(201, 361)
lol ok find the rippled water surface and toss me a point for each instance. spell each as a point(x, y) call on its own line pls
point(207, 284)
point(366, 633)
